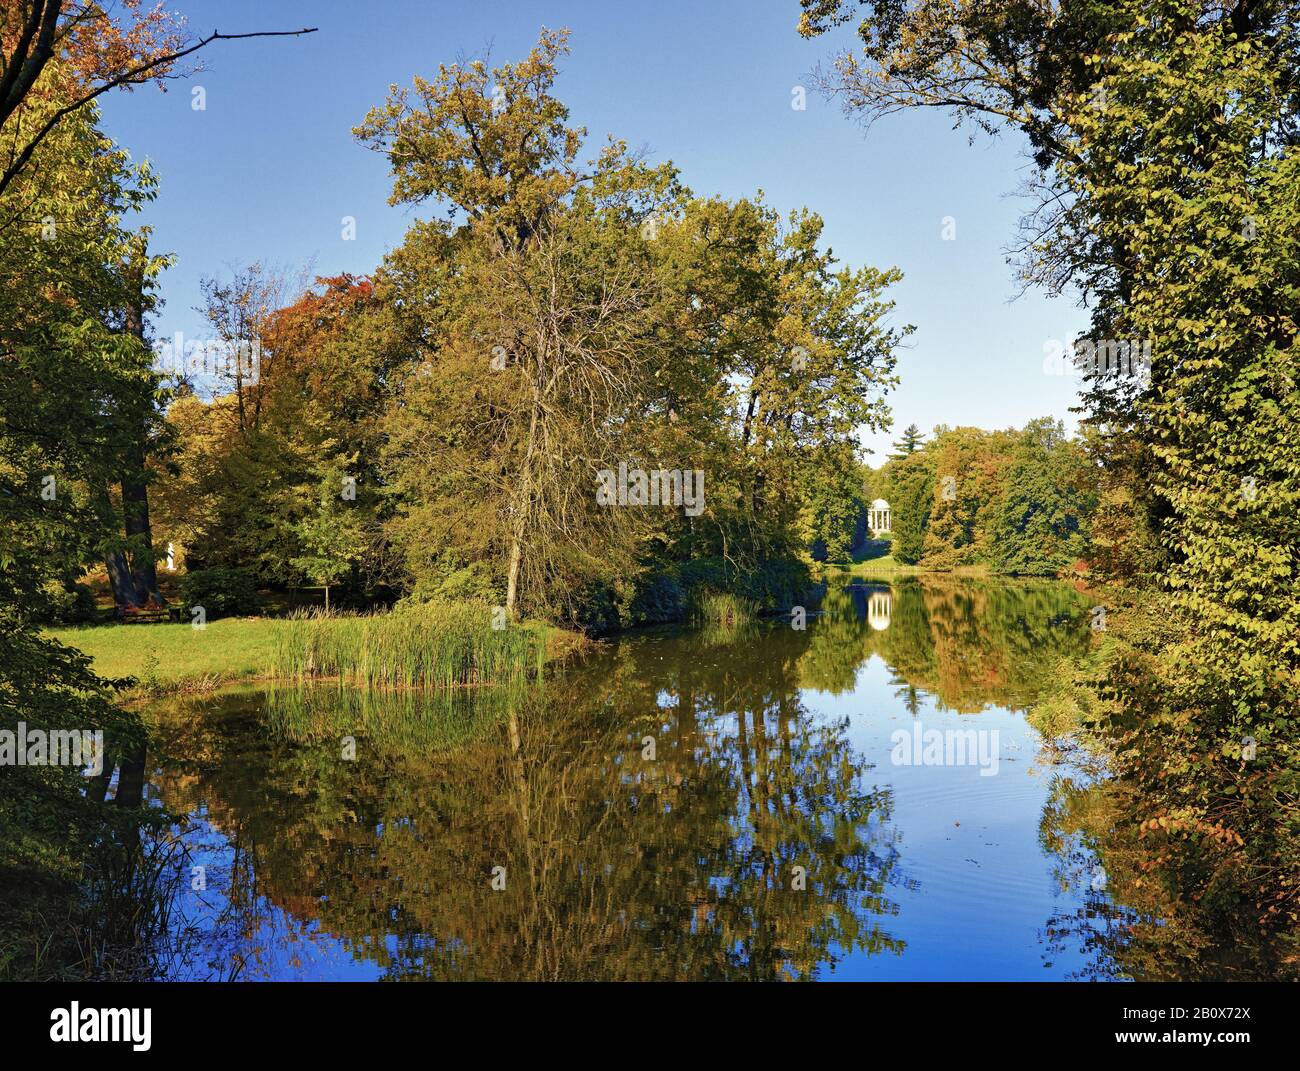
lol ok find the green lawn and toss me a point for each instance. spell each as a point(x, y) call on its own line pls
point(871, 550)
point(877, 567)
point(887, 566)
point(168, 657)
point(170, 654)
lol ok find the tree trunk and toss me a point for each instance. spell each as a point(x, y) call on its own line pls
point(125, 593)
point(120, 578)
point(512, 574)
point(518, 527)
point(144, 566)
point(135, 492)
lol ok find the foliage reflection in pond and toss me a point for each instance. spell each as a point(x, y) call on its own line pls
point(614, 864)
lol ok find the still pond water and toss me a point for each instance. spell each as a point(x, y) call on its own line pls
point(687, 805)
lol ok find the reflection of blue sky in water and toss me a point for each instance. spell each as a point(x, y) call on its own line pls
point(284, 948)
point(977, 888)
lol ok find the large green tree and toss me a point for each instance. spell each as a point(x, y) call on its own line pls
point(539, 343)
point(1041, 517)
point(71, 378)
point(1182, 224)
point(568, 318)
point(910, 484)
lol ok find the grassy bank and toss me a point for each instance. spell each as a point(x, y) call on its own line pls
point(722, 610)
point(170, 656)
point(452, 644)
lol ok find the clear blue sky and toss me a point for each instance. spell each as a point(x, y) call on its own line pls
point(269, 169)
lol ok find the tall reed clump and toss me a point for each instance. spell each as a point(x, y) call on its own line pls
point(424, 645)
point(721, 608)
point(722, 614)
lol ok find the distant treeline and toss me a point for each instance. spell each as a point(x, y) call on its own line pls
point(1015, 502)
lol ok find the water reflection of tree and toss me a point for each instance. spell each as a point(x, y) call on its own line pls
point(130, 878)
point(907, 694)
point(1135, 922)
point(616, 866)
point(839, 641)
point(996, 642)
point(968, 642)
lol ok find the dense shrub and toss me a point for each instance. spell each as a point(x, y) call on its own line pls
point(221, 592)
point(71, 605)
point(597, 610)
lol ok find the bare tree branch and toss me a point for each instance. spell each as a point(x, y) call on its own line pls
point(31, 69)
